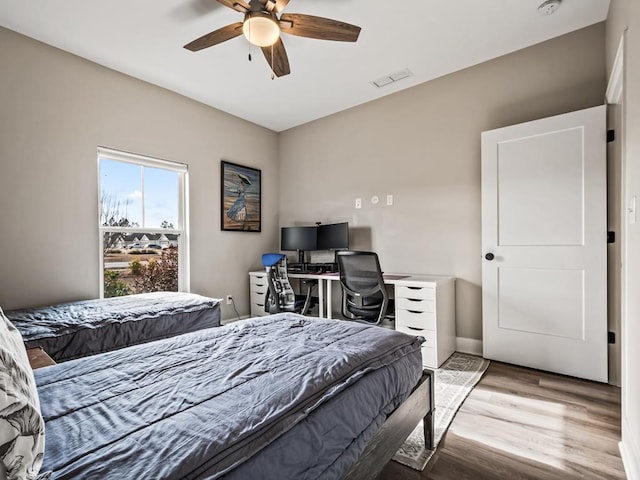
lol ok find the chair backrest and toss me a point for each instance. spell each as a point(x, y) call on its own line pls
point(281, 296)
point(364, 295)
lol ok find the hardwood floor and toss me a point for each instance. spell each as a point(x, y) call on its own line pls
point(519, 423)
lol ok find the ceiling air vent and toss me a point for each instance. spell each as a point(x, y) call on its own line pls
point(392, 78)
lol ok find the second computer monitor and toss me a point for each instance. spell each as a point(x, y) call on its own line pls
point(334, 236)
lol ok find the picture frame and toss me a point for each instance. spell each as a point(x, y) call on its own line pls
point(241, 198)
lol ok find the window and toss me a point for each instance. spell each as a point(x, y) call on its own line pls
point(143, 234)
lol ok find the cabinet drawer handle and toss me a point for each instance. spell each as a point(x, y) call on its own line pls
point(415, 288)
point(414, 311)
point(416, 329)
point(414, 299)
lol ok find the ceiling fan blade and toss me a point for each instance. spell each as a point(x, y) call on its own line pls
point(280, 62)
point(218, 36)
point(237, 5)
point(318, 27)
point(278, 5)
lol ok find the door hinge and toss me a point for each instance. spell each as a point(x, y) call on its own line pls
point(611, 136)
point(611, 237)
point(611, 337)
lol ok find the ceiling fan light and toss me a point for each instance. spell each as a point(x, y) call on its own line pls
point(261, 29)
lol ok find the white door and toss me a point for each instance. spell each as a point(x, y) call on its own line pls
point(544, 275)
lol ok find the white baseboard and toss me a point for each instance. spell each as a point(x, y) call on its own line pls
point(630, 453)
point(471, 346)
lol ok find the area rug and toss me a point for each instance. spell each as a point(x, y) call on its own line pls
point(454, 381)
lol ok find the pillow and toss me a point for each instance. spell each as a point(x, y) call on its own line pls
point(21, 423)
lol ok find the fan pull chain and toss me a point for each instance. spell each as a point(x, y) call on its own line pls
point(273, 76)
point(249, 41)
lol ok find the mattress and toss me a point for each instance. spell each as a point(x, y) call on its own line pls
point(276, 397)
point(77, 329)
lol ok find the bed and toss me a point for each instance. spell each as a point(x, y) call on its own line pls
point(77, 329)
point(277, 397)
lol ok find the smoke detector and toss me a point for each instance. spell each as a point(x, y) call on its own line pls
point(549, 7)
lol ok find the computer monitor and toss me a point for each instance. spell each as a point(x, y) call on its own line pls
point(334, 236)
point(298, 238)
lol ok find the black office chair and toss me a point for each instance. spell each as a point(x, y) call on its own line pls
point(280, 296)
point(364, 295)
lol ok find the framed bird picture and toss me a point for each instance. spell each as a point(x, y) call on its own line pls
point(241, 198)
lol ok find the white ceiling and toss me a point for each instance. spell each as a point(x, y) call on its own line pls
point(144, 39)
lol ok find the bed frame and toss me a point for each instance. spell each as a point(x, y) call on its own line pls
point(395, 430)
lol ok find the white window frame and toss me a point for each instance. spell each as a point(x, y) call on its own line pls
point(182, 229)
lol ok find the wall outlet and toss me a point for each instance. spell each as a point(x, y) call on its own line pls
point(229, 299)
point(389, 199)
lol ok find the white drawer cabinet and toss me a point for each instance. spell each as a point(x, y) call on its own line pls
point(426, 307)
point(257, 292)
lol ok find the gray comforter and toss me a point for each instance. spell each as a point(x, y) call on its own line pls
point(275, 397)
point(75, 329)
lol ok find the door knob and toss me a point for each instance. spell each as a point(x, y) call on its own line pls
point(489, 256)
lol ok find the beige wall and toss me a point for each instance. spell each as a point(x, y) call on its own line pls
point(55, 109)
point(422, 145)
point(625, 14)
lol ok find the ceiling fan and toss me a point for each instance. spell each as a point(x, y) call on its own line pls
point(262, 27)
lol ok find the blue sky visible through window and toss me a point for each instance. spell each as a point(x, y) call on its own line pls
point(121, 183)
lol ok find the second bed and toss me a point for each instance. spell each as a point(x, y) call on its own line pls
point(77, 329)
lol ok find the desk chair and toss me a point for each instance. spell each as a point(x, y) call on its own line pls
point(364, 295)
point(280, 296)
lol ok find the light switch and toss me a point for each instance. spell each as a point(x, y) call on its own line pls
point(358, 202)
point(389, 199)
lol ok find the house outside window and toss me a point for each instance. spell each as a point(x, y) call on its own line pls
point(143, 224)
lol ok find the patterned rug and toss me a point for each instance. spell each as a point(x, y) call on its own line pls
point(454, 381)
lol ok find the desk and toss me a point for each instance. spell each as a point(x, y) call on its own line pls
point(424, 304)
